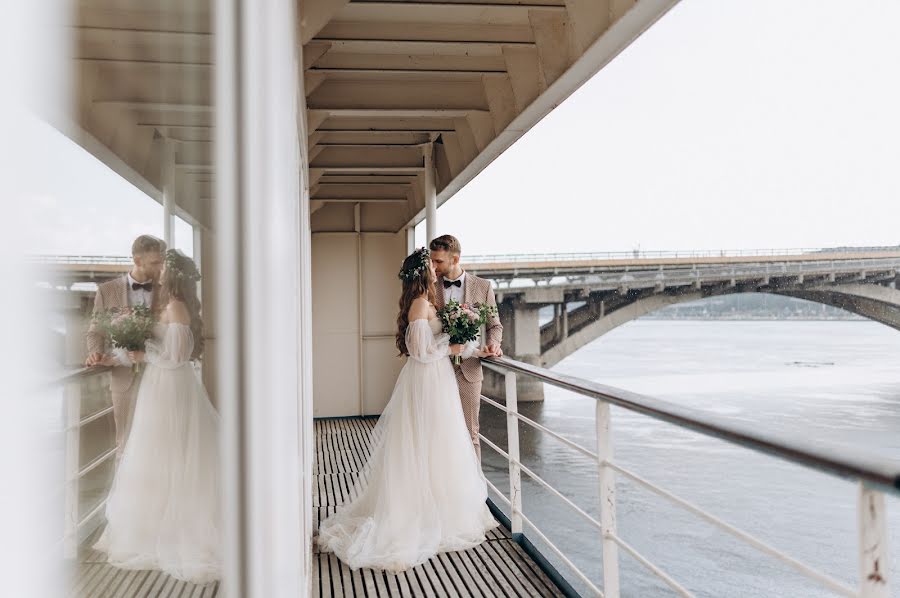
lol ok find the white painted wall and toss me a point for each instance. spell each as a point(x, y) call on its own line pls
point(355, 292)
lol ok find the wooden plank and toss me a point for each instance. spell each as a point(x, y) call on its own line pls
point(390, 580)
point(369, 584)
point(504, 566)
point(422, 582)
point(86, 574)
point(529, 570)
point(158, 585)
point(147, 583)
point(470, 574)
point(380, 583)
point(442, 561)
point(346, 581)
point(129, 584)
point(440, 583)
point(413, 582)
point(325, 572)
point(97, 582)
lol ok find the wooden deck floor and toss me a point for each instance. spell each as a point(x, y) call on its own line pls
point(497, 567)
point(96, 579)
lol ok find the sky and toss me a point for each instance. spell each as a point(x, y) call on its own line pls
point(728, 125)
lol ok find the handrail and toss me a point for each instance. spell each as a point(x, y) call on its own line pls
point(873, 471)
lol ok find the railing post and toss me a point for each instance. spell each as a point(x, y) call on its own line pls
point(515, 472)
point(607, 502)
point(874, 564)
point(72, 406)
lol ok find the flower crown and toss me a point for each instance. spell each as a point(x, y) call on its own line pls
point(424, 257)
point(172, 264)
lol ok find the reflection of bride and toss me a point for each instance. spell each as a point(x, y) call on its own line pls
point(163, 511)
point(422, 491)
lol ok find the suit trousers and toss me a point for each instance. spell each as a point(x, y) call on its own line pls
point(470, 397)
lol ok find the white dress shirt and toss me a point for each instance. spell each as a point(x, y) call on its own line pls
point(454, 292)
point(139, 296)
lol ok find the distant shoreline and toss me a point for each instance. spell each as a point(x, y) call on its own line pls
point(754, 319)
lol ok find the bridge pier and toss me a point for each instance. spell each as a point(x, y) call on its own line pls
point(521, 341)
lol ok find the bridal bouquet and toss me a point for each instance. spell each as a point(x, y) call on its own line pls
point(463, 322)
point(127, 327)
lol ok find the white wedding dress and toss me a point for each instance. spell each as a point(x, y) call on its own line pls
point(422, 490)
point(163, 511)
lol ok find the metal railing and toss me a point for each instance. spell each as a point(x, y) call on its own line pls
point(875, 478)
point(75, 524)
point(640, 254)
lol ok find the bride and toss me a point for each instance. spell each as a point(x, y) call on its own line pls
point(422, 491)
point(163, 510)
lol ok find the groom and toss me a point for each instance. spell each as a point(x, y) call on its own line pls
point(138, 287)
point(454, 283)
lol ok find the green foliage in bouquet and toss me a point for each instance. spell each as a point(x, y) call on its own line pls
point(126, 327)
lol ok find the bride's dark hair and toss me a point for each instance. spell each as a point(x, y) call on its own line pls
point(179, 281)
point(417, 281)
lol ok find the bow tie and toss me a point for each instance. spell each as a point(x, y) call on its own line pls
point(453, 283)
point(147, 286)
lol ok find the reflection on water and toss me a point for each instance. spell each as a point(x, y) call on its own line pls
point(836, 384)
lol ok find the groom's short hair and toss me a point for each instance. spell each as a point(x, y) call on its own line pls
point(447, 243)
point(147, 244)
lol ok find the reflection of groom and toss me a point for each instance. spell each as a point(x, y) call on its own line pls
point(454, 283)
point(138, 287)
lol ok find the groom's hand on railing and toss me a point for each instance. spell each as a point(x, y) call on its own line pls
point(494, 350)
point(93, 359)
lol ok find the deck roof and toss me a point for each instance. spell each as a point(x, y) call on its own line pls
point(384, 80)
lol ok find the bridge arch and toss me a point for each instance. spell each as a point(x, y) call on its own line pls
point(875, 302)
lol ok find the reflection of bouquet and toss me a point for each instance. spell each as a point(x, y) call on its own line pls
point(464, 322)
point(127, 327)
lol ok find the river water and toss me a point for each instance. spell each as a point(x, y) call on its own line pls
point(835, 384)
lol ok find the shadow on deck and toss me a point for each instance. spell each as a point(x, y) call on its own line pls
point(497, 567)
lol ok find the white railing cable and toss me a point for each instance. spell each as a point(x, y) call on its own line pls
point(802, 568)
point(559, 553)
point(590, 454)
point(544, 483)
point(92, 465)
point(653, 568)
point(584, 578)
point(89, 419)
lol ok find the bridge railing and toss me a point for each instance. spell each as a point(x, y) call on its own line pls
point(644, 254)
point(81, 259)
point(875, 479)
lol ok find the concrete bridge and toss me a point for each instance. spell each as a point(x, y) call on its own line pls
point(593, 293)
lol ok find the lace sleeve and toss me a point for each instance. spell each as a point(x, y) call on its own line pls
point(422, 345)
point(173, 350)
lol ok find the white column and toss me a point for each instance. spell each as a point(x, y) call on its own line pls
point(168, 166)
point(430, 194)
point(515, 471)
point(263, 297)
point(607, 482)
point(874, 560)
